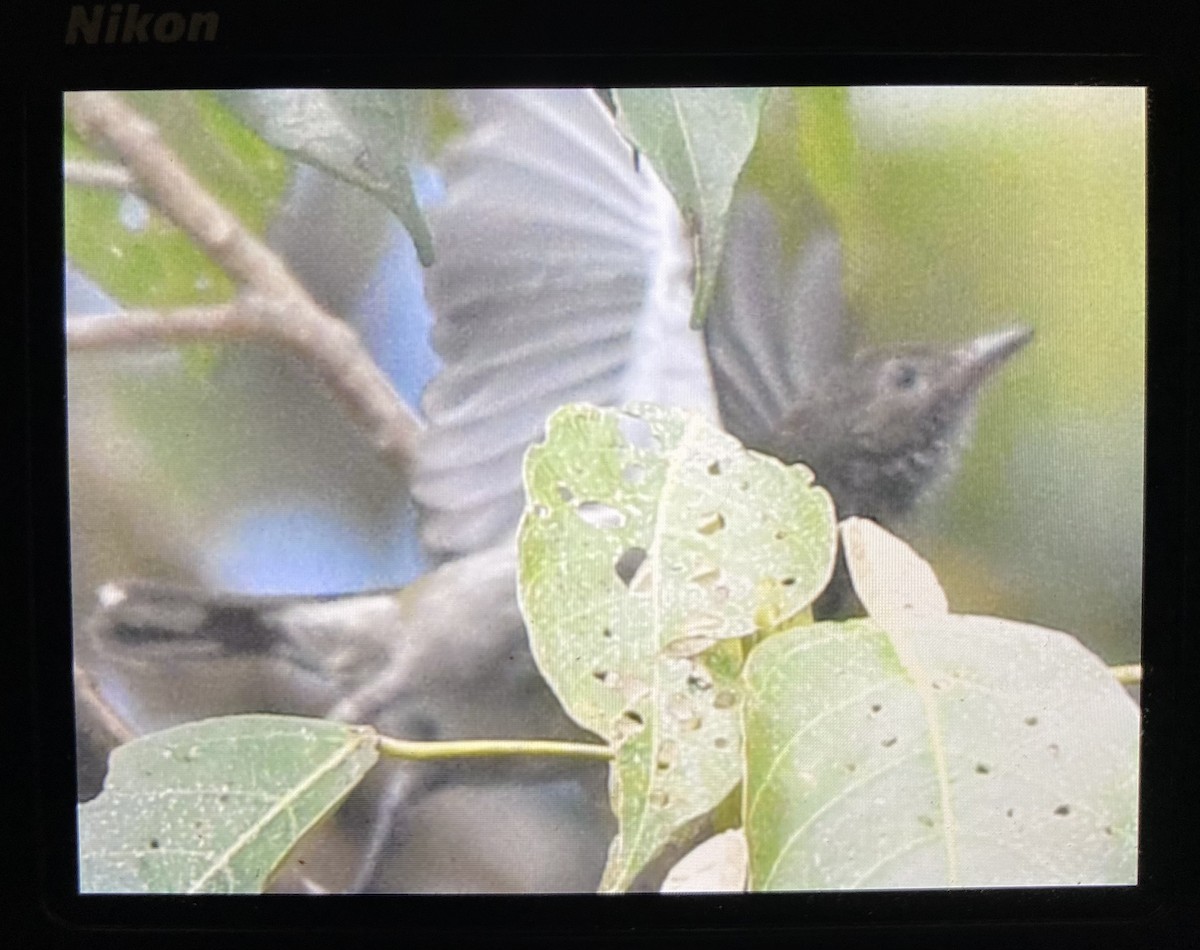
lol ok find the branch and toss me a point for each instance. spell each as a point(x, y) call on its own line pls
point(89, 697)
point(280, 308)
point(97, 175)
point(328, 346)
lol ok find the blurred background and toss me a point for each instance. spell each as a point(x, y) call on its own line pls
point(961, 210)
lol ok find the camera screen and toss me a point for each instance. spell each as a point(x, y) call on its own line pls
point(606, 490)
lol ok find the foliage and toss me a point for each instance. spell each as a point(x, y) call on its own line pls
point(915, 748)
point(212, 807)
point(698, 139)
point(367, 137)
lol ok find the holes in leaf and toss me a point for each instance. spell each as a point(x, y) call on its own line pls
point(541, 511)
point(1108, 830)
point(668, 752)
point(659, 799)
point(633, 474)
point(711, 523)
point(982, 768)
point(720, 742)
point(780, 535)
point(850, 766)
point(692, 724)
point(697, 682)
point(1031, 720)
point(636, 432)
point(925, 820)
point(725, 699)
point(707, 576)
point(788, 581)
point(688, 646)
point(888, 743)
point(564, 492)
point(1063, 810)
point(876, 708)
point(679, 706)
point(1053, 747)
point(714, 467)
point(154, 843)
point(628, 563)
point(599, 515)
point(601, 675)
point(628, 725)
point(1010, 813)
point(606, 633)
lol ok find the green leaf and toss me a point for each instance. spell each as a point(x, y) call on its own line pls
point(634, 521)
point(366, 137)
point(698, 140)
point(214, 806)
point(921, 748)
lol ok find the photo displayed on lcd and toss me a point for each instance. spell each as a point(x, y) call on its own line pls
point(573, 490)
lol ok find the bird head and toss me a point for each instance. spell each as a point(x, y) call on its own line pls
point(888, 425)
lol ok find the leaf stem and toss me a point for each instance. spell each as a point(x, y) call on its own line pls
point(1128, 674)
point(477, 748)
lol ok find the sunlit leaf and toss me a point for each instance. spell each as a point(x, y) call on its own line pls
point(635, 522)
point(697, 140)
point(920, 748)
point(889, 576)
point(214, 806)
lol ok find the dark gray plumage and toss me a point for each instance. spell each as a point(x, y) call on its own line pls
point(879, 427)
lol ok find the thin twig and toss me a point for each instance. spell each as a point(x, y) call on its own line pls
point(132, 328)
point(276, 306)
point(97, 175)
point(87, 695)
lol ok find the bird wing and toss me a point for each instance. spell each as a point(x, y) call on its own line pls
point(771, 333)
point(563, 275)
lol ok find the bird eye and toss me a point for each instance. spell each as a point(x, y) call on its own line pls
point(904, 376)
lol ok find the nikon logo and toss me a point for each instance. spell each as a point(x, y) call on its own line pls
point(118, 23)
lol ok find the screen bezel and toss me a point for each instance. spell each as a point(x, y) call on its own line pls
point(1162, 877)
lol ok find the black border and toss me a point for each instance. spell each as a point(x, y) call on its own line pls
point(455, 43)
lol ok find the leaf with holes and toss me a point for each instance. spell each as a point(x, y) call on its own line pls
point(212, 807)
point(921, 748)
point(649, 537)
point(698, 140)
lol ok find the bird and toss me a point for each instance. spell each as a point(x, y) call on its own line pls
point(564, 275)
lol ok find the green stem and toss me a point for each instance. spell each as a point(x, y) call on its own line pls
point(475, 748)
point(1128, 674)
